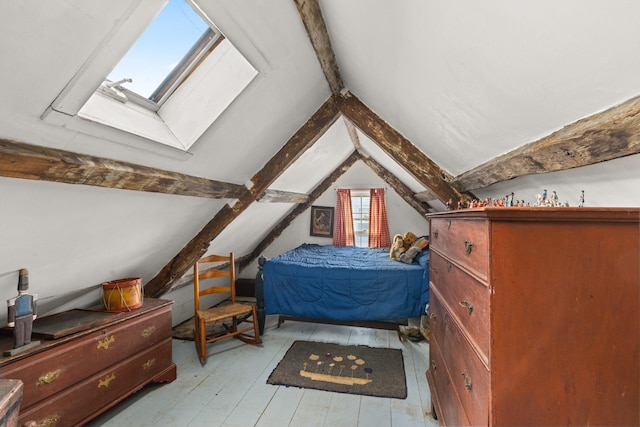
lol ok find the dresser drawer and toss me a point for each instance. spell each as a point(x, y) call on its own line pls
point(53, 370)
point(469, 377)
point(448, 407)
point(465, 241)
point(105, 388)
point(466, 298)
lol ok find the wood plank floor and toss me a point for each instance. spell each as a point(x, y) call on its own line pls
point(231, 389)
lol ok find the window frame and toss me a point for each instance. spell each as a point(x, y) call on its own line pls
point(164, 130)
point(360, 236)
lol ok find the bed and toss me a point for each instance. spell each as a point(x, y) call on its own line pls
point(343, 283)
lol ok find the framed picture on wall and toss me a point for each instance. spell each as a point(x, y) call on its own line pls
point(322, 221)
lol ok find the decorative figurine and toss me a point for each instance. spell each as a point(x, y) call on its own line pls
point(22, 313)
point(554, 198)
point(581, 203)
point(450, 204)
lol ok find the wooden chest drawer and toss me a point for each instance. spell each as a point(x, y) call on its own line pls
point(448, 406)
point(466, 241)
point(54, 370)
point(467, 300)
point(469, 376)
point(107, 387)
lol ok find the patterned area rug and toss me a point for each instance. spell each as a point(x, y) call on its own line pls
point(344, 369)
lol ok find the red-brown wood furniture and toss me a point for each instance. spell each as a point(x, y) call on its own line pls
point(534, 316)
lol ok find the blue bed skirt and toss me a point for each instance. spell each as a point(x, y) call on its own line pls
point(345, 283)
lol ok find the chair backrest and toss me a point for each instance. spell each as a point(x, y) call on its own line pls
point(225, 268)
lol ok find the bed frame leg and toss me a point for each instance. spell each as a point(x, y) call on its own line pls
point(259, 291)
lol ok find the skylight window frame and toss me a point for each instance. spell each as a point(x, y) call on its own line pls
point(164, 130)
point(203, 47)
point(205, 44)
point(179, 74)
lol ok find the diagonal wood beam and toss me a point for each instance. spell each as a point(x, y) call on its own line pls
point(414, 161)
point(353, 134)
point(277, 196)
point(604, 136)
point(304, 138)
point(398, 186)
point(20, 160)
point(282, 225)
point(313, 21)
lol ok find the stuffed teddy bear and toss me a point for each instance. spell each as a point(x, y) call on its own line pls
point(408, 239)
point(401, 244)
point(397, 247)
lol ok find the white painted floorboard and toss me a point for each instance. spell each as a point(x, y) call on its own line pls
point(231, 390)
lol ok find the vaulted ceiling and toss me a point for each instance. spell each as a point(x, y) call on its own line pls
point(437, 98)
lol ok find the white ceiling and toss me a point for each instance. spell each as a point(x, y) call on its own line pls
point(464, 81)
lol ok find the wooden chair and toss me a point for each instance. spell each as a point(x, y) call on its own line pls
point(235, 312)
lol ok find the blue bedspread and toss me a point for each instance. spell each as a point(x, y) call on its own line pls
point(345, 283)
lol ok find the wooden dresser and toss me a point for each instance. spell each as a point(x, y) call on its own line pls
point(71, 379)
point(534, 316)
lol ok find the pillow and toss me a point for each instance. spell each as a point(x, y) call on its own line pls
point(421, 243)
point(411, 253)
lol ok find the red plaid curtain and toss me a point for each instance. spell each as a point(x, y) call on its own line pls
point(378, 225)
point(343, 234)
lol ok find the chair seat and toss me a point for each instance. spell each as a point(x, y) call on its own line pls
point(224, 312)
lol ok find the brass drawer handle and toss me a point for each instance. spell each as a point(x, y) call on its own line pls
point(434, 270)
point(467, 380)
point(467, 305)
point(51, 421)
point(105, 343)
point(433, 365)
point(448, 266)
point(149, 364)
point(432, 317)
point(148, 331)
point(49, 377)
point(106, 381)
point(468, 246)
point(435, 234)
point(448, 224)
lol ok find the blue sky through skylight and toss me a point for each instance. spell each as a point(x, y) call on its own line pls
point(160, 48)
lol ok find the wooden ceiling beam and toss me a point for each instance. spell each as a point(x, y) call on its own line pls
point(313, 21)
point(398, 186)
point(407, 155)
point(304, 138)
point(25, 161)
point(604, 136)
point(282, 225)
point(353, 134)
point(277, 196)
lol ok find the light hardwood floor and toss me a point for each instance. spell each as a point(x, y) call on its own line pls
point(231, 389)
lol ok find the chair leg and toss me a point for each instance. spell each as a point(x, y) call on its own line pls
point(200, 336)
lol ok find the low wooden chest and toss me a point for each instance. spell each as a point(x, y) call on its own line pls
point(71, 379)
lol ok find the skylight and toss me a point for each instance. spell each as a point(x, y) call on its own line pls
point(165, 53)
point(184, 74)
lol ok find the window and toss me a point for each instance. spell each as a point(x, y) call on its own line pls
point(163, 56)
point(360, 208)
point(203, 76)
